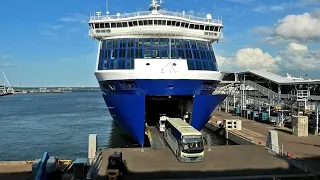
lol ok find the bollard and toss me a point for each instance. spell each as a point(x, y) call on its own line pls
point(209, 143)
point(227, 135)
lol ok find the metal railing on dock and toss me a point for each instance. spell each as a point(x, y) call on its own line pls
point(95, 167)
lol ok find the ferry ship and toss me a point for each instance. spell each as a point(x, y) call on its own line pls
point(157, 62)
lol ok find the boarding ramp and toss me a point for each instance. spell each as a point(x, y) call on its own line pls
point(156, 138)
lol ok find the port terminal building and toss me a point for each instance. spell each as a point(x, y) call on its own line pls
point(265, 88)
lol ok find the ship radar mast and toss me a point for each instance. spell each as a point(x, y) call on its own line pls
point(154, 6)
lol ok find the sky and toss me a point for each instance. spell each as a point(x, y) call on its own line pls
point(46, 43)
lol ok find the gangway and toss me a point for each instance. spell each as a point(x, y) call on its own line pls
point(156, 138)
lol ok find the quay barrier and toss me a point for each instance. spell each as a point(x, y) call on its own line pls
point(231, 124)
point(291, 159)
point(231, 134)
point(42, 167)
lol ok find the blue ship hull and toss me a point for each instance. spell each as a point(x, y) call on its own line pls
point(128, 105)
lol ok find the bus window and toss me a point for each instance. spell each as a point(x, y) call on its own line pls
point(193, 144)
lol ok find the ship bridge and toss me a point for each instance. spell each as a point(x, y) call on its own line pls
point(155, 22)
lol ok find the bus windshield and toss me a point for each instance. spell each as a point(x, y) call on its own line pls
point(192, 144)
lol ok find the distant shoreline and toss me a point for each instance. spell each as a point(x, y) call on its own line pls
point(53, 88)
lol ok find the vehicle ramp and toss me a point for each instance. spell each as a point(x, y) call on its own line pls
point(156, 138)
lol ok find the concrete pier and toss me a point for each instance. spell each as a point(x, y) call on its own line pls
point(228, 162)
point(305, 150)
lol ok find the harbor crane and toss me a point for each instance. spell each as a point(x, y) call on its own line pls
point(9, 89)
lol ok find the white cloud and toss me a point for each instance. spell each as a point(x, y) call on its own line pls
point(264, 8)
point(242, 1)
point(292, 28)
point(298, 57)
point(284, 5)
point(262, 30)
point(75, 18)
point(309, 2)
point(302, 27)
point(277, 40)
point(297, 47)
point(249, 58)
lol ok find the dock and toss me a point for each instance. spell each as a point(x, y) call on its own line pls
point(226, 162)
point(304, 150)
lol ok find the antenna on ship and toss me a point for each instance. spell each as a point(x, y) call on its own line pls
point(154, 6)
point(107, 8)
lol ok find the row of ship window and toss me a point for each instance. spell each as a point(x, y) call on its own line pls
point(119, 53)
point(155, 23)
point(155, 43)
point(153, 53)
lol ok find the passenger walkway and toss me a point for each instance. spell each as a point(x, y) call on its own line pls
point(305, 149)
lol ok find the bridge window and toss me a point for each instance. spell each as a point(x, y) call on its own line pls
point(135, 23)
point(120, 53)
point(157, 22)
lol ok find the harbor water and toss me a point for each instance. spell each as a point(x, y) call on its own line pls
point(59, 124)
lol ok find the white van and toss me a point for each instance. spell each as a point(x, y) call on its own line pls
point(161, 123)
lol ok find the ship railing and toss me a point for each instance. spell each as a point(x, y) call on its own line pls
point(95, 167)
point(162, 12)
point(93, 33)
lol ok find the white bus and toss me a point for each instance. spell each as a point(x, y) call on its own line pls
point(184, 140)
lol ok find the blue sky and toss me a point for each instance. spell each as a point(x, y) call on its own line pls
point(46, 43)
